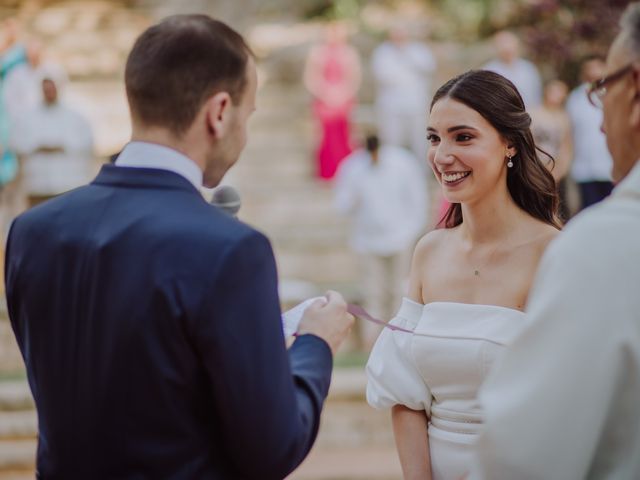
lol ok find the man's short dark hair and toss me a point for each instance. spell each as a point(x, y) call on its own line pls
point(178, 63)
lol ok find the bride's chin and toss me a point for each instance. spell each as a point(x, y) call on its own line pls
point(451, 198)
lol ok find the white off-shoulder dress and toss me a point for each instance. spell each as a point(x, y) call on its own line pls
point(439, 368)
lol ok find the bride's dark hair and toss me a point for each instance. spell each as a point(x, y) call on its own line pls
point(529, 182)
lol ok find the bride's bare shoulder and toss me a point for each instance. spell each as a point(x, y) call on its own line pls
point(546, 233)
point(542, 234)
point(432, 241)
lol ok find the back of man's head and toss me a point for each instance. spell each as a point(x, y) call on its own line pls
point(177, 64)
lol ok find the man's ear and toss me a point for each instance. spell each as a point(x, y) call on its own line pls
point(217, 113)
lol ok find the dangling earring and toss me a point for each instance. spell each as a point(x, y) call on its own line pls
point(509, 163)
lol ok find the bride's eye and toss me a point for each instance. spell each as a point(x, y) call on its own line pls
point(433, 138)
point(463, 137)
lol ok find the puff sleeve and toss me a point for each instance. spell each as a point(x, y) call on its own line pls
point(392, 377)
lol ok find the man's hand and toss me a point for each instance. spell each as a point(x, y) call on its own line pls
point(328, 319)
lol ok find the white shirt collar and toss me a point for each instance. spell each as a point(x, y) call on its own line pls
point(152, 155)
point(631, 183)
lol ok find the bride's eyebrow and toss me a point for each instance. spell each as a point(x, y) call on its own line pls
point(453, 129)
point(460, 127)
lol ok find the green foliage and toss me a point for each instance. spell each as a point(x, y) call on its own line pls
point(560, 33)
point(351, 359)
point(333, 9)
point(557, 34)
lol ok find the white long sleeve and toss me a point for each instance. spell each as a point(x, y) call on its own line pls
point(564, 401)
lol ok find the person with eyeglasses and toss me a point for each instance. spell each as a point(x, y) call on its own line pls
point(591, 165)
point(564, 401)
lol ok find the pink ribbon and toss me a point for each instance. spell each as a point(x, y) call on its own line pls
point(358, 311)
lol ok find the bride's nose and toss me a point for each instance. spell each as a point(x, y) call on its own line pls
point(443, 156)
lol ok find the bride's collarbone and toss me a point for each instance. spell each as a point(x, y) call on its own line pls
point(494, 284)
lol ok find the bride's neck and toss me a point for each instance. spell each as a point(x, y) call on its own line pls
point(490, 221)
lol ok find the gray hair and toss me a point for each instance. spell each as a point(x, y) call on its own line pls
point(630, 24)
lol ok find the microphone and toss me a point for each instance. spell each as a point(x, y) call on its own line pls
point(227, 199)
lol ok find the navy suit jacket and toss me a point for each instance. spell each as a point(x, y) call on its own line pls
point(150, 326)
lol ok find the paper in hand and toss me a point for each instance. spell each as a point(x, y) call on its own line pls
point(291, 318)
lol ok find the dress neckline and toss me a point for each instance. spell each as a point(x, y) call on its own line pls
point(462, 304)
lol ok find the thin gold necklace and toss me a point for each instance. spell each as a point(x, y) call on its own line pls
point(476, 270)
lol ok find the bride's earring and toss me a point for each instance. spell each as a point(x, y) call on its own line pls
point(509, 163)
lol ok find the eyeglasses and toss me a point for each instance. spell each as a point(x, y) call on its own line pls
point(598, 89)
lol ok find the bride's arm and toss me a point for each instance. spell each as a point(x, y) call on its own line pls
point(412, 442)
point(410, 426)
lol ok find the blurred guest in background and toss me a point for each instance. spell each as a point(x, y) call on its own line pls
point(332, 75)
point(591, 168)
point(56, 144)
point(402, 70)
point(511, 65)
point(22, 90)
point(12, 56)
point(551, 130)
point(383, 190)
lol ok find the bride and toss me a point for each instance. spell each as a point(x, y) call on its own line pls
point(469, 281)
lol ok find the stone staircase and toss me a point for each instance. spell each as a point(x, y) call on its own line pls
point(282, 197)
point(18, 429)
point(355, 441)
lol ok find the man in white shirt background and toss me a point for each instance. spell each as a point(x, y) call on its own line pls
point(522, 73)
point(564, 401)
point(55, 143)
point(591, 166)
point(383, 190)
point(402, 70)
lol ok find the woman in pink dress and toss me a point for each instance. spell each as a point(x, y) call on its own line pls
point(332, 76)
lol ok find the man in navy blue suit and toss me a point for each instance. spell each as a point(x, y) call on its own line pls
point(148, 320)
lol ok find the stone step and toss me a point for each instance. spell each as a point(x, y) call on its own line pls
point(274, 95)
point(20, 474)
point(10, 358)
point(15, 395)
point(368, 463)
point(17, 455)
point(348, 384)
point(279, 169)
point(18, 424)
point(270, 136)
point(293, 117)
point(324, 463)
point(309, 190)
point(292, 222)
point(347, 420)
